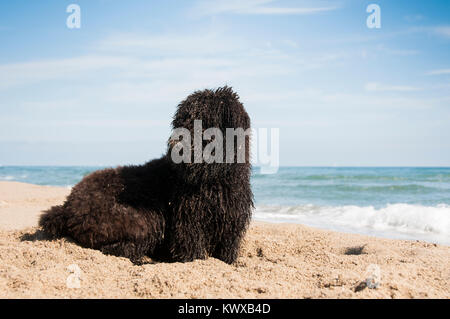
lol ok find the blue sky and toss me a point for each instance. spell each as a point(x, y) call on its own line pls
point(340, 93)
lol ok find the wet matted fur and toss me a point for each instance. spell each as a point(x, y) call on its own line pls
point(167, 211)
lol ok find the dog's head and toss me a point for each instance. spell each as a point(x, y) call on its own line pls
point(214, 152)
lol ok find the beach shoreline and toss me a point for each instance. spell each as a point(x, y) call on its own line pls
point(276, 261)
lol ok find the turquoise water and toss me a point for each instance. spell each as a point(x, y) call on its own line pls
point(408, 203)
point(353, 186)
point(65, 176)
point(404, 203)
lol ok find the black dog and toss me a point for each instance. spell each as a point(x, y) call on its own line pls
point(167, 211)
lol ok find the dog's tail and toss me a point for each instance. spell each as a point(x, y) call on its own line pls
point(53, 221)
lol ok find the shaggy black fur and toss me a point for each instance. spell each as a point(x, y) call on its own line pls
point(167, 211)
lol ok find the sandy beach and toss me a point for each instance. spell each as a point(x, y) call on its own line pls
point(276, 261)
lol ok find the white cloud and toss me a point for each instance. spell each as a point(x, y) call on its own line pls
point(414, 17)
point(328, 100)
point(207, 43)
point(439, 72)
point(375, 103)
point(36, 71)
point(256, 7)
point(400, 52)
point(118, 68)
point(183, 60)
point(291, 43)
point(377, 87)
point(273, 10)
point(443, 31)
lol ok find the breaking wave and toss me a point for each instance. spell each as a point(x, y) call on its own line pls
point(406, 221)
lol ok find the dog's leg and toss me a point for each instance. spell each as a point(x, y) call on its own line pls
point(227, 250)
point(186, 242)
point(183, 252)
point(144, 238)
point(122, 231)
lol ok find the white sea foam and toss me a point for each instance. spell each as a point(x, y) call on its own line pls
point(405, 221)
point(7, 178)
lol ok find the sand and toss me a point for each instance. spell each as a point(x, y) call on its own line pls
point(276, 261)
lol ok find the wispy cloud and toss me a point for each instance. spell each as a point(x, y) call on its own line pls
point(414, 17)
point(155, 60)
point(170, 44)
point(377, 87)
point(253, 7)
point(142, 69)
point(439, 72)
point(399, 52)
point(442, 31)
point(36, 71)
point(274, 10)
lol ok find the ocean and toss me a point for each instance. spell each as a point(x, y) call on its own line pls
point(399, 202)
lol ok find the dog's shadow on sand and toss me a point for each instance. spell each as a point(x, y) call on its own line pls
point(40, 235)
